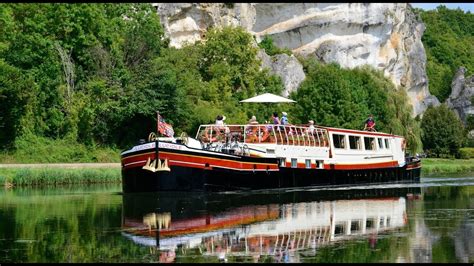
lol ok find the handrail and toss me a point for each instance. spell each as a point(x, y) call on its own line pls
point(294, 135)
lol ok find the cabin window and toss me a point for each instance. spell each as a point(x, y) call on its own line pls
point(339, 229)
point(369, 223)
point(380, 143)
point(282, 162)
point(294, 163)
point(387, 146)
point(369, 143)
point(338, 141)
point(381, 222)
point(355, 226)
point(308, 163)
point(319, 164)
point(354, 142)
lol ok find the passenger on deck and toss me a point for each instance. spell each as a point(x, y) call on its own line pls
point(370, 123)
point(250, 129)
point(310, 127)
point(220, 120)
point(220, 124)
point(284, 118)
point(275, 119)
point(253, 120)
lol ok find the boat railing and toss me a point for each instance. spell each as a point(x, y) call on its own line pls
point(295, 135)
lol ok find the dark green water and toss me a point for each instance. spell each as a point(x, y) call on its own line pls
point(428, 222)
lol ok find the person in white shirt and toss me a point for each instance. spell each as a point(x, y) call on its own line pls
point(220, 120)
point(311, 127)
point(220, 124)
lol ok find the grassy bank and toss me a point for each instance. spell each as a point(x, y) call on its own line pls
point(437, 165)
point(57, 176)
point(34, 149)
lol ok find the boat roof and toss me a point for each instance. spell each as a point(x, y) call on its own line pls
point(355, 131)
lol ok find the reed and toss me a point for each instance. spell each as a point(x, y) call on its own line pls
point(57, 176)
point(438, 165)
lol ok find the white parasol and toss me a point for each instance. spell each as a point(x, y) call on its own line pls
point(267, 98)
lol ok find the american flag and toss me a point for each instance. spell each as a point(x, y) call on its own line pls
point(164, 128)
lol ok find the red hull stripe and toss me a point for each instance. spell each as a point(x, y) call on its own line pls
point(197, 162)
point(362, 166)
point(415, 166)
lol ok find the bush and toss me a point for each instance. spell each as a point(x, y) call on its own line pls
point(442, 132)
point(270, 48)
point(466, 153)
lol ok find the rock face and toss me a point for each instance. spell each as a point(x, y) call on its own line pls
point(462, 91)
point(385, 36)
point(288, 68)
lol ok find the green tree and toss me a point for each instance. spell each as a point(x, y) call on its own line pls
point(16, 98)
point(442, 132)
point(337, 97)
point(449, 44)
point(84, 58)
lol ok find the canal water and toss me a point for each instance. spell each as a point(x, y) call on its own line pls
point(432, 221)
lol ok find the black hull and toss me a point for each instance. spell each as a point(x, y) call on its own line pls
point(194, 179)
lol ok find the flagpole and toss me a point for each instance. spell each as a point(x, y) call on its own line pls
point(157, 122)
point(158, 163)
point(156, 139)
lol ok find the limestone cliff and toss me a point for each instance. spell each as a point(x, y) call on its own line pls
point(462, 94)
point(385, 36)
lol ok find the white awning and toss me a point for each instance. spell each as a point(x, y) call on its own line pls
point(267, 98)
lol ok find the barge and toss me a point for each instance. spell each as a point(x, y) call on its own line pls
point(266, 156)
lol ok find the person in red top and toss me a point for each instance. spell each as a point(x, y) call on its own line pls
point(370, 123)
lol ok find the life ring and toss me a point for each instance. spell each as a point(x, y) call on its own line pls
point(207, 132)
point(266, 134)
point(253, 136)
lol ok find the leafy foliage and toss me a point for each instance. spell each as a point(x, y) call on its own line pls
point(16, 94)
point(270, 48)
point(442, 132)
point(84, 72)
point(337, 97)
point(449, 44)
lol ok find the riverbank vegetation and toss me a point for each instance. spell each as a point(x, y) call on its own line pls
point(18, 177)
point(448, 166)
point(80, 82)
point(37, 149)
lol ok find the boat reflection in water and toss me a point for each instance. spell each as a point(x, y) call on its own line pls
point(257, 226)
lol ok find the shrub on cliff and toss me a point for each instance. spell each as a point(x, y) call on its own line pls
point(270, 48)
